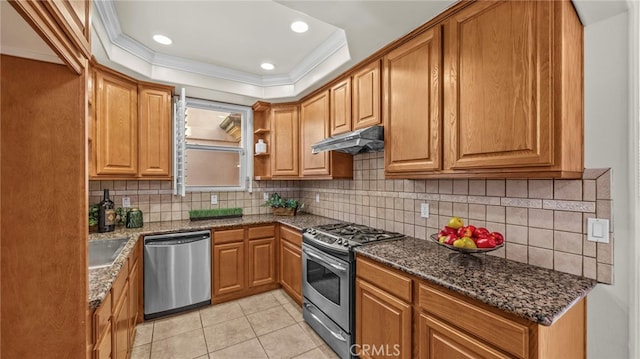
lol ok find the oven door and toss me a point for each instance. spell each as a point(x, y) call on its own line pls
point(325, 283)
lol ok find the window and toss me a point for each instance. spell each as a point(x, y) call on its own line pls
point(211, 146)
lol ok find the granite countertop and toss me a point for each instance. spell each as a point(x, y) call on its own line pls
point(534, 293)
point(101, 279)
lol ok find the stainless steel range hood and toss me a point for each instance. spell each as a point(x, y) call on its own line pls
point(370, 139)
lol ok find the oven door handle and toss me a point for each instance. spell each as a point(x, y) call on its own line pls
point(324, 261)
point(315, 317)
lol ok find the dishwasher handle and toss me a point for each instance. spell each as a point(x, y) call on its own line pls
point(180, 238)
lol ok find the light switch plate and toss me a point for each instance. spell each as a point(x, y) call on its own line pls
point(317, 197)
point(424, 210)
point(265, 196)
point(598, 230)
point(126, 202)
point(214, 199)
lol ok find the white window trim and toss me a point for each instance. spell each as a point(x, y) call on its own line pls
point(245, 150)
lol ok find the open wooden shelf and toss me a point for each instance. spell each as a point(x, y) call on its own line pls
point(261, 130)
point(261, 154)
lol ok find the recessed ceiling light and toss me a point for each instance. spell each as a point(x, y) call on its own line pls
point(267, 66)
point(161, 39)
point(299, 26)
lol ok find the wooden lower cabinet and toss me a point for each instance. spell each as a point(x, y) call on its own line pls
point(228, 268)
point(395, 308)
point(114, 321)
point(290, 268)
point(262, 262)
point(103, 345)
point(244, 262)
point(120, 330)
point(439, 340)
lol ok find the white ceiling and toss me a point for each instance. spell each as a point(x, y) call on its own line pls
point(219, 45)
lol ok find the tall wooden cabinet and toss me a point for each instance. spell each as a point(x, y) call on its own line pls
point(412, 109)
point(65, 25)
point(130, 130)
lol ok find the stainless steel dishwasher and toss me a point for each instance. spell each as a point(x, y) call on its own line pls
point(177, 272)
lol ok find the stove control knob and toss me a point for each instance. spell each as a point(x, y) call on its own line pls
point(339, 241)
point(346, 243)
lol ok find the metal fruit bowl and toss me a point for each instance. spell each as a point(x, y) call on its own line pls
point(434, 237)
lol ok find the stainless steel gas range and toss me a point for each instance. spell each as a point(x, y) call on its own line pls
point(328, 279)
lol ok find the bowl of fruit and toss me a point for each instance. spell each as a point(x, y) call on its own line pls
point(467, 239)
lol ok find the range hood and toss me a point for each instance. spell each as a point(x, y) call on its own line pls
point(369, 139)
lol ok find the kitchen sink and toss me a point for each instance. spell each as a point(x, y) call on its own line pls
point(103, 252)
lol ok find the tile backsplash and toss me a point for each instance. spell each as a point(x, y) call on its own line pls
point(544, 221)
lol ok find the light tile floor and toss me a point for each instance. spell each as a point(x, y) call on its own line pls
point(267, 325)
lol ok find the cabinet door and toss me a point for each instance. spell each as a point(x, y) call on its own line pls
point(155, 132)
point(103, 345)
point(262, 263)
point(134, 293)
point(228, 272)
point(116, 141)
point(120, 329)
point(412, 106)
point(284, 138)
point(291, 270)
point(440, 340)
point(366, 96)
point(314, 122)
point(340, 103)
point(373, 307)
point(499, 96)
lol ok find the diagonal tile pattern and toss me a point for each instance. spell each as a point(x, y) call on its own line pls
point(267, 325)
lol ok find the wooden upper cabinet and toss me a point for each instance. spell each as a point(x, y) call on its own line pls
point(130, 131)
point(64, 25)
point(284, 141)
point(116, 125)
point(340, 101)
point(412, 106)
point(500, 98)
point(314, 127)
point(155, 131)
point(366, 96)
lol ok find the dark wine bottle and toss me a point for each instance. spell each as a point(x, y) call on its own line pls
point(106, 214)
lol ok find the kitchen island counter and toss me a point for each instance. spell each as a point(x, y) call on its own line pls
point(101, 279)
point(534, 293)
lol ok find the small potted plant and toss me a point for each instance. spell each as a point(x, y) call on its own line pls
point(282, 206)
point(93, 218)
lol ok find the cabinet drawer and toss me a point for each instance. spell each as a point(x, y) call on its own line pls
point(384, 278)
point(262, 232)
point(228, 236)
point(505, 334)
point(101, 316)
point(119, 285)
point(291, 235)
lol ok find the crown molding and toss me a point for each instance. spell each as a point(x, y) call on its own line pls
point(127, 52)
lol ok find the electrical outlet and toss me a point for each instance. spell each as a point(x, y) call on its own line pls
point(317, 197)
point(126, 202)
point(598, 230)
point(265, 196)
point(424, 210)
point(214, 199)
